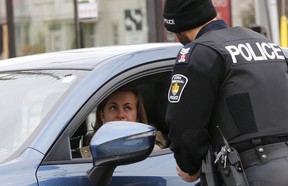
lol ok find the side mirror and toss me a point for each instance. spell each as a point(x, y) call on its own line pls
point(119, 143)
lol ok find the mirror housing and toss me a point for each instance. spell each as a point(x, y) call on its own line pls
point(119, 143)
point(122, 142)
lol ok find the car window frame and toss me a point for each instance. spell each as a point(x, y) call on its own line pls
point(58, 152)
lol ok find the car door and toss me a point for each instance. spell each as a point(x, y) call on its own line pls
point(64, 166)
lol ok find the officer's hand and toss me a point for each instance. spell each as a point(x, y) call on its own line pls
point(186, 177)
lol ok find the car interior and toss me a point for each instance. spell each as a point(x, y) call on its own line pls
point(154, 89)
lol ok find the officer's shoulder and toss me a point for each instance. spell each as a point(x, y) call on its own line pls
point(185, 53)
point(187, 50)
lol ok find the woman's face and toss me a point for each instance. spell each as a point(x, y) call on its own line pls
point(122, 106)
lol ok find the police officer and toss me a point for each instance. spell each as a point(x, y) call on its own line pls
point(233, 78)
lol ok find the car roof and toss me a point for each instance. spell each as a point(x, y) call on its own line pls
point(86, 58)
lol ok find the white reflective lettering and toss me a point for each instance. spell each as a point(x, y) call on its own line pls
point(261, 50)
point(265, 46)
point(233, 50)
point(248, 55)
point(256, 58)
point(248, 51)
point(276, 50)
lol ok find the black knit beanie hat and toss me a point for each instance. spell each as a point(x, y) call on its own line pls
point(182, 15)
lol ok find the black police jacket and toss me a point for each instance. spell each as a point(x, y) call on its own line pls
point(233, 78)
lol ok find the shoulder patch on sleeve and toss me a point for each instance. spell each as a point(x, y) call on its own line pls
point(185, 53)
point(178, 83)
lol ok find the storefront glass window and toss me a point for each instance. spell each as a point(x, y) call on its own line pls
point(51, 25)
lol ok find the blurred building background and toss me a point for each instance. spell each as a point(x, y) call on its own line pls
point(37, 26)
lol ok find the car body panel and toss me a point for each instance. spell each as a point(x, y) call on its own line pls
point(22, 170)
point(89, 58)
point(156, 171)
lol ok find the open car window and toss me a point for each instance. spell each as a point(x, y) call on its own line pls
point(152, 80)
point(153, 89)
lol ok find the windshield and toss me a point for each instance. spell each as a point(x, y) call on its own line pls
point(25, 99)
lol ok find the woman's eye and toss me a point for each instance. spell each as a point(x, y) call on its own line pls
point(128, 108)
point(112, 108)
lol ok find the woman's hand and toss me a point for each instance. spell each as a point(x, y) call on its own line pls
point(186, 177)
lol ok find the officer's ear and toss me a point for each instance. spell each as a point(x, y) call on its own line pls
point(183, 38)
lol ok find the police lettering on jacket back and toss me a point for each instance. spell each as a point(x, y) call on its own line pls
point(254, 51)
